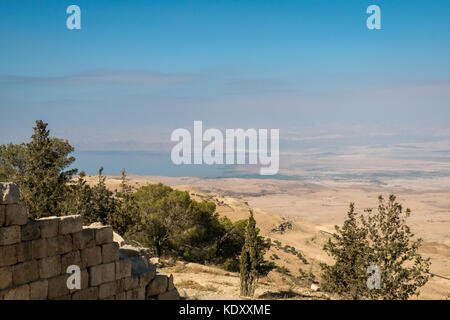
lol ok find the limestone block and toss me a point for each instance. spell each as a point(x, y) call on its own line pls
point(145, 278)
point(16, 215)
point(69, 259)
point(77, 240)
point(50, 267)
point(9, 235)
point(88, 238)
point(139, 294)
point(157, 286)
point(18, 293)
point(57, 286)
point(9, 193)
point(70, 224)
point(101, 274)
point(30, 231)
point(123, 268)
point(109, 272)
point(107, 289)
point(65, 297)
point(5, 277)
point(24, 251)
point(25, 272)
point(170, 285)
point(91, 256)
point(110, 252)
point(2, 215)
point(131, 283)
point(121, 296)
point(39, 290)
point(53, 246)
point(39, 248)
point(86, 294)
point(8, 255)
point(169, 295)
point(49, 227)
point(64, 244)
point(103, 234)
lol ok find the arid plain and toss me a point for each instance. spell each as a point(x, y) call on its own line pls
point(312, 208)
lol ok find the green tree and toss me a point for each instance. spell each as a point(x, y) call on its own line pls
point(252, 264)
point(349, 249)
point(79, 200)
point(126, 214)
point(39, 169)
point(103, 204)
point(395, 251)
point(384, 240)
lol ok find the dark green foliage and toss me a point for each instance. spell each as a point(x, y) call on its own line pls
point(283, 270)
point(381, 239)
point(348, 247)
point(174, 225)
point(38, 168)
point(395, 251)
point(252, 264)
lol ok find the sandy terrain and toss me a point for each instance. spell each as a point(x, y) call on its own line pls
point(312, 207)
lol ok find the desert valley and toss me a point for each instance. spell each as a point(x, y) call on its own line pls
point(297, 217)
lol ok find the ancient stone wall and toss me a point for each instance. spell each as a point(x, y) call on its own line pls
point(35, 255)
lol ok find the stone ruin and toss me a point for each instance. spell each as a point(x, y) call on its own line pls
point(35, 255)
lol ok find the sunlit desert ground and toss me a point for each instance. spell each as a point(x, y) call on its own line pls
point(315, 207)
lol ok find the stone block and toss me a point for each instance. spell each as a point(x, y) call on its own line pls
point(169, 295)
point(86, 294)
point(123, 269)
point(18, 293)
point(2, 215)
point(139, 294)
point(57, 286)
point(50, 267)
point(110, 252)
point(65, 297)
point(25, 272)
point(91, 256)
point(24, 251)
point(16, 215)
point(101, 274)
point(39, 290)
point(170, 285)
point(70, 224)
point(109, 272)
point(69, 259)
point(53, 245)
point(49, 226)
point(30, 231)
point(88, 238)
point(9, 193)
point(5, 277)
point(64, 244)
point(129, 295)
point(121, 296)
point(131, 283)
point(103, 234)
point(8, 255)
point(145, 277)
point(77, 240)
point(107, 289)
point(39, 249)
point(157, 286)
point(9, 235)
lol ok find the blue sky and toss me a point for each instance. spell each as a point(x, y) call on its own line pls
point(139, 69)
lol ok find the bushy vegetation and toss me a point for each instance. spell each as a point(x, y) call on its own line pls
point(156, 216)
point(380, 239)
point(252, 264)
